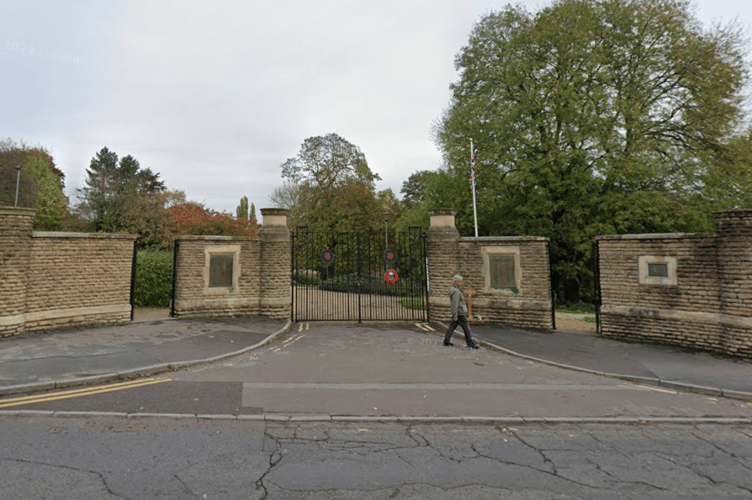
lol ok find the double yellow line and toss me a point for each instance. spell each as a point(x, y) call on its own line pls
point(287, 343)
point(79, 393)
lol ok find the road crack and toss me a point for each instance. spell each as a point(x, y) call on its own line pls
point(74, 469)
point(275, 457)
point(735, 457)
point(545, 458)
point(187, 488)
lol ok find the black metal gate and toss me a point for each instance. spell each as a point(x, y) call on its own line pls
point(597, 283)
point(359, 276)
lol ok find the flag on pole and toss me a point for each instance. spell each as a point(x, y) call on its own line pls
point(472, 169)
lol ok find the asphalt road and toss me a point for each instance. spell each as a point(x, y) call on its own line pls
point(372, 412)
point(380, 371)
point(115, 458)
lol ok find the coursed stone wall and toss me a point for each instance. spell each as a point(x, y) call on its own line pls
point(705, 302)
point(15, 257)
point(50, 280)
point(449, 254)
point(261, 273)
point(734, 231)
point(78, 279)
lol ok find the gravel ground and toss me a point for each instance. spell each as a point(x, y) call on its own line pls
point(574, 323)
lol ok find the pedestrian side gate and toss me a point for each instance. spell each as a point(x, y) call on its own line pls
point(359, 276)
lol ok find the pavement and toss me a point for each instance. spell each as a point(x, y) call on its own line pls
point(667, 366)
point(40, 361)
point(35, 362)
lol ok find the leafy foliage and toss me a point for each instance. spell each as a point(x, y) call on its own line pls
point(417, 201)
point(41, 183)
point(153, 278)
point(242, 211)
point(190, 218)
point(120, 196)
point(328, 161)
point(414, 188)
point(330, 187)
point(593, 117)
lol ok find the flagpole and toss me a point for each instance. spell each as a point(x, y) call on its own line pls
point(472, 183)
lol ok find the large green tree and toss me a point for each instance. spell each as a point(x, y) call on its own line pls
point(120, 196)
point(414, 188)
point(41, 184)
point(331, 186)
point(591, 117)
point(416, 201)
point(328, 161)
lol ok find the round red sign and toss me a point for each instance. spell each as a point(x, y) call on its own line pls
point(391, 276)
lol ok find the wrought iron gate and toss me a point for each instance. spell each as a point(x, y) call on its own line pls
point(597, 283)
point(359, 276)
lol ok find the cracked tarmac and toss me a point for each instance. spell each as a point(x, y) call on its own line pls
point(563, 462)
point(103, 458)
point(64, 455)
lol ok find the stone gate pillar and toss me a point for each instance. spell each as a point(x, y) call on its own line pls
point(276, 274)
point(734, 233)
point(15, 259)
point(443, 260)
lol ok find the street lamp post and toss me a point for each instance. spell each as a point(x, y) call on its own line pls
point(18, 183)
point(386, 230)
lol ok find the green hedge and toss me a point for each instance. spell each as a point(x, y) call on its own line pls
point(153, 278)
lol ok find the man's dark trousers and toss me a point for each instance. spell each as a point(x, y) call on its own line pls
point(462, 321)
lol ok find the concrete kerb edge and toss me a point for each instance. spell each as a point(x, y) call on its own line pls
point(485, 343)
point(746, 396)
point(317, 418)
point(684, 387)
point(94, 379)
point(267, 340)
point(678, 386)
point(136, 372)
point(179, 365)
point(26, 388)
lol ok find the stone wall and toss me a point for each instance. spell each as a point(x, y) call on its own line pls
point(50, 280)
point(276, 269)
point(734, 230)
point(15, 258)
point(528, 305)
point(261, 273)
point(705, 302)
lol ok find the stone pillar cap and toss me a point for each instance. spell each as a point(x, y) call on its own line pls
point(274, 217)
point(442, 211)
point(275, 211)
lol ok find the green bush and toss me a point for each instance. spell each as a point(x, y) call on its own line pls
point(153, 278)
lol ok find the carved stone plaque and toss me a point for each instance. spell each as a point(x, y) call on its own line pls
point(220, 270)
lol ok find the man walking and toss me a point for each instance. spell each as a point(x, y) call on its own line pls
point(459, 314)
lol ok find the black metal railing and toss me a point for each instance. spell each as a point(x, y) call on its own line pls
point(354, 277)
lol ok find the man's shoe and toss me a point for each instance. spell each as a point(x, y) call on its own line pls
point(448, 344)
point(473, 346)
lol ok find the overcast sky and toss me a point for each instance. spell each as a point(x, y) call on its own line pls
point(215, 96)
